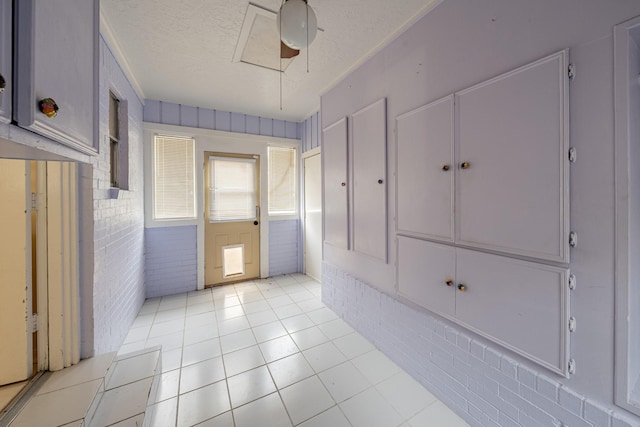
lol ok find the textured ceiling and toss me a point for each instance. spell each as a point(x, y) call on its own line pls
point(182, 50)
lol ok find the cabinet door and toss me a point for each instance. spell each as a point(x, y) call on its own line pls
point(334, 160)
point(424, 270)
point(521, 305)
point(369, 142)
point(5, 59)
point(425, 175)
point(57, 41)
point(513, 133)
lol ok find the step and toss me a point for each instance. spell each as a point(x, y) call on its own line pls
point(99, 391)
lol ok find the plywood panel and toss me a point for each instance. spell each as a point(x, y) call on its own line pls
point(334, 152)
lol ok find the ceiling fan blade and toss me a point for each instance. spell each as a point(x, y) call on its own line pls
point(286, 52)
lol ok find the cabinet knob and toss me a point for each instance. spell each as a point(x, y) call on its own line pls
point(380, 181)
point(464, 165)
point(48, 107)
point(3, 83)
point(445, 168)
point(461, 287)
point(449, 282)
point(344, 184)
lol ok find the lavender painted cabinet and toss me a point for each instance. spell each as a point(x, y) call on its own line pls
point(57, 46)
point(5, 59)
point(369, 160)
point(425, 180)
point(512, 171)
point(335, 184)
point(521, 305)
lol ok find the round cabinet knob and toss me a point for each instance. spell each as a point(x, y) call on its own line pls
point(48, 107)
point(3, 83)
point(464, 165)
point(449, 282)
point(344, 184)
point(445, 168)
point(461, 287)
point(380, 181)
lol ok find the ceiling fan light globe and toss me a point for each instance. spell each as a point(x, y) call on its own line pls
point(293, 32)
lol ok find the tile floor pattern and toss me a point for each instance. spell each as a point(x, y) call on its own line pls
point(269, 353)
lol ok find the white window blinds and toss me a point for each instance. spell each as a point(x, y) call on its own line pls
point(232, 189)
point(174, 178)
point(282, 181)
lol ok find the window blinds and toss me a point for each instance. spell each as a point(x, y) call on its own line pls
point(232, 189)
point(282, 181)
point(174, 178)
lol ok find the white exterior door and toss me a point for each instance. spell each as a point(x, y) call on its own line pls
point(313, 217)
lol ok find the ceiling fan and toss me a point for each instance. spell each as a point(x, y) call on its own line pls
point(297, 26)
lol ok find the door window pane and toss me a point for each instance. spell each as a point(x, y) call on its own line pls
point(232, 189)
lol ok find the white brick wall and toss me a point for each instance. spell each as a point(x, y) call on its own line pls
point(283, 247)
point(484, 386)
point(118, 278)
point(171, 260)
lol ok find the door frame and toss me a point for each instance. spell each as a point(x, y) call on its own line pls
point(309, 153)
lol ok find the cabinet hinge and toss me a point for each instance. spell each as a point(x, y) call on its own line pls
point(34, 322)
point(34, 201)
point(573, 154)
point(572, 324)
point(571, 71)
point(573, 239)
point(572, 366)
point(572, 282)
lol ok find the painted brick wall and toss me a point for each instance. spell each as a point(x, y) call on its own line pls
point(479, 382)
point(310, 132)
point(283, 247)
point(171, 260)
point(118, 291)
point(169, 113)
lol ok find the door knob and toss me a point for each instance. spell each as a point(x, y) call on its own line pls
point(3, 83)
point(445, 168)
point(255, 223)
point(464, 165)
point(461, 287)
point(449, 282)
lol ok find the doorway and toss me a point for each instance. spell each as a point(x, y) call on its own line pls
point(232, 212)
point(313, 216)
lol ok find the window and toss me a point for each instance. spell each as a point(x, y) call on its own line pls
point(174, 195)
point(233, 189)
point(282, 181)
point(118, 143)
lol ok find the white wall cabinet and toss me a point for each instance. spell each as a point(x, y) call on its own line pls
point(354, 151)
point(488, 167)
point(369, 160)
point(521, 305)
point(335, 188)
point(5, 59)
point(57, 43)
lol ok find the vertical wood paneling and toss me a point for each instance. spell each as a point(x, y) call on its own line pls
point(291, 130)
point(206, 118)
point(266, 126)
point(170, 113)
point(188, 116)
point(223, 120)
point(152, 111)
point(314, 130)
point(253, 125)
point(278, 128)
point(238, 122)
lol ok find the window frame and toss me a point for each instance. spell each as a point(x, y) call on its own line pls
point(118, 145)
point(297, 189)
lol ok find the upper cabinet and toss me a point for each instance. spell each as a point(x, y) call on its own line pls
point(5, 60)
point(488, 167)
point(354, 151)
point(56, 61)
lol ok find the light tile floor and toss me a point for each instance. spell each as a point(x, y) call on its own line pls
point(270, 353)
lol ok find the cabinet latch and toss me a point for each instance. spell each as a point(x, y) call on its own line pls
point(573, 154)
point(572, 324)
point(571, 72)
point(572, 366)
point(573, 239)
point(572, 282)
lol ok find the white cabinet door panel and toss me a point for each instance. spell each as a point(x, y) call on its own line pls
point(521, 305)
point(369, 149)
point(5, 59)
point(512, 130)
point(58, 45)
point(423, 271)
point(425, 171)
point(334, 160)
